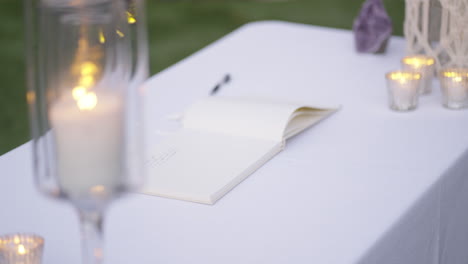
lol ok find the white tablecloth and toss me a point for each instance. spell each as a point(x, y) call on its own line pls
point(368, 185)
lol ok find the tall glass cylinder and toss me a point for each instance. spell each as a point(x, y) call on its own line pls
point(85, 60)
point(135, 11)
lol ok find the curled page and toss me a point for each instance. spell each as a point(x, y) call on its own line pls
point(261, 118)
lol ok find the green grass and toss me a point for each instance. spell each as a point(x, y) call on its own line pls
point(176, 30)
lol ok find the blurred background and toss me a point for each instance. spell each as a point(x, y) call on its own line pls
point(177, 28)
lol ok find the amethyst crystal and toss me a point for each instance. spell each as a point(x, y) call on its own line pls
point(372, 28)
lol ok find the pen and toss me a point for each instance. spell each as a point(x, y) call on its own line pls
point(227, 78)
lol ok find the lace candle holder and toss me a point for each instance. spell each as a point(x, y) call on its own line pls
point(403, 90)
point(21, 249)
point(425, 65)
point(454, 86)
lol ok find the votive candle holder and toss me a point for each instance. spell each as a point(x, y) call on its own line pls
point(423, 64)
point(454, 86)
point(403, 90)
point(21, 249)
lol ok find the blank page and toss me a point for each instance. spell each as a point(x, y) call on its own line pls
point(202, 167)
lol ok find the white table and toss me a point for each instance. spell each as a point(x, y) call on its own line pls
point(368, 185)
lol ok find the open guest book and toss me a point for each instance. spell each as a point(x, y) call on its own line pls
point(222, 141)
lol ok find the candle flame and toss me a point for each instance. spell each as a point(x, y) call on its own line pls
point(419, 61)
point(78, 92)
point(449, 74)
point(131, 18)
point(86, 80)
point(455, 74)
point(88, 68)
point(120, 33)
point(21, 249)
point(404, 76)
point(102, 38)
point(88, 101)
point(85, 99)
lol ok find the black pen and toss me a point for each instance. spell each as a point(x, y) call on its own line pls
point(227, 78)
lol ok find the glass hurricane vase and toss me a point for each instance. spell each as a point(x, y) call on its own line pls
point(85, 61)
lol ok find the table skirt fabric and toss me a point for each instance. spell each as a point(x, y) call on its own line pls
point(435, 229)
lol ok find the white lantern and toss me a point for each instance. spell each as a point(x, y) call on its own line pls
point(438, 28)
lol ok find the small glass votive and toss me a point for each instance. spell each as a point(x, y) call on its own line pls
point(403, 90)
point(21, 249)
point(425, 65)
point(454, 86)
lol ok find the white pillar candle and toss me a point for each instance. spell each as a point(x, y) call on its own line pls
point(425, 65)
point(403, 90)
point(88, 129)
point(454, 85)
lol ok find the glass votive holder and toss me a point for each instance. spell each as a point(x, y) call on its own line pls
point(403, 90)
point(21, 249)
point(454, 86)
point(425, 65)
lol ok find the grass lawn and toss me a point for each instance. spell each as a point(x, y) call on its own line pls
point(176, 29)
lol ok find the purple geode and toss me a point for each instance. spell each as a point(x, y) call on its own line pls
point(372, 28)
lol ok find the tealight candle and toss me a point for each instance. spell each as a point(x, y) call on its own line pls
point(425, 66)
point(21, 249)
point(403, 90)
point(454, 85)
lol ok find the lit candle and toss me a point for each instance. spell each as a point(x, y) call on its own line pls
point(88, 129)
point(87, 124)
point(425, 66)
point(454, 86)
point(21, 249)
point(403, 90)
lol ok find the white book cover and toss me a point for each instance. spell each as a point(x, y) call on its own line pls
point(223, 140)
